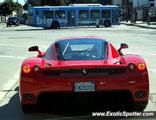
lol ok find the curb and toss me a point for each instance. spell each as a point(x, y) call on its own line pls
point(141, 26)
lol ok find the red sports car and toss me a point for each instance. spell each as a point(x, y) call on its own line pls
point(84, 65)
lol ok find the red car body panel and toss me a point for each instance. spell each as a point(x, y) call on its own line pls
point(46, 80)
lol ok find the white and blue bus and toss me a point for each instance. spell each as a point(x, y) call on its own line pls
point(73, 15)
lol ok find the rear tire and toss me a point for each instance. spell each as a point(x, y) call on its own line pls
point(55, 25)
point(28, 108)
point(107, 23)
point(138, 107)
point(97, 26)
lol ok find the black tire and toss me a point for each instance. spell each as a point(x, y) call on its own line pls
point(138, 107)
point(97, 26)
point(8, 25)
point(28, 108)
point(107, 23)
point(55, 25)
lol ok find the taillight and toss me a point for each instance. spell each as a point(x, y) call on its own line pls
point(141, 66)
point(131, 67)
point(26, 68)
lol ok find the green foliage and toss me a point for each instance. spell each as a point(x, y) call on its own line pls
point(85, 1)
point(6, 8)
point(65, 2)
point(25, 16)
point(105, 2)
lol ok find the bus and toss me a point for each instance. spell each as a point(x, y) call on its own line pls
point(73, 15)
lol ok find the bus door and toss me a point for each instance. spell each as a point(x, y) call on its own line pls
point(37, 21)
point(94, 16)
point(61, 17)
point(106, 17)
point(48, 18)
point(84, 17)
point(71, 17)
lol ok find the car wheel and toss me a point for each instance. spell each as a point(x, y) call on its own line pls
point(28, 108)
point(139, 107)
point(107, 23)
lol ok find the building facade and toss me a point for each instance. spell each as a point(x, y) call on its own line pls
point(136, 9)
point(136, 3)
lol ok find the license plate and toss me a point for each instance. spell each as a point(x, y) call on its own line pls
point(84, 87)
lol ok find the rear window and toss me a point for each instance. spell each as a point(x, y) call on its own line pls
point(81, 49)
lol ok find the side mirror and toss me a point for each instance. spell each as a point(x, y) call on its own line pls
point(122, 46)
point(33, 48)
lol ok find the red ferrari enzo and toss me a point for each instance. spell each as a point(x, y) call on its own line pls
point(84, 65)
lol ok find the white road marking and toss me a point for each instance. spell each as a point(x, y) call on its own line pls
point(7, 56)
point(139, 53)
point(152, 70)
point(10, 84)
point(151, 105)
point(2, 95)
point(152, 54)
point(20, 46)
point(11, 45)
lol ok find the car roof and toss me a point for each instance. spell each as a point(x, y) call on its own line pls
point(82, 37)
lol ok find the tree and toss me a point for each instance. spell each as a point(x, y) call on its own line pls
point(105, 2)
point(84, 1)
point(7, 8)
point(65, 2)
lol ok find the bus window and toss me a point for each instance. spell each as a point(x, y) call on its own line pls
point(94, 14)
point(60, 14)
point(48, 14)
point(106, 14)
point(84, 14)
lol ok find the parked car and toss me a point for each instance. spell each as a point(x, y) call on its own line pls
point(12, 21)
point(153, 18)
point(22, 21)
point(84, 65)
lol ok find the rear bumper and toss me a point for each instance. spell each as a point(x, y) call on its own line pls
point(132, 87)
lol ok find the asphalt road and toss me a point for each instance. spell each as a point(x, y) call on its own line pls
point(15, 41)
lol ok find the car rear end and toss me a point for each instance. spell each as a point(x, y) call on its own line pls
point(12, 21)
point(124, 82)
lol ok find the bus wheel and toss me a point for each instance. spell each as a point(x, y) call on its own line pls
point(107, 23)
point(55, 25)
point(97, 26)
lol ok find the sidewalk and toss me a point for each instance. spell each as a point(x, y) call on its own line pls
point(2, 25)
point(140, 24)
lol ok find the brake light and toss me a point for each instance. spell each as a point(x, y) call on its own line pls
point(141, 66)
point(26, 68)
